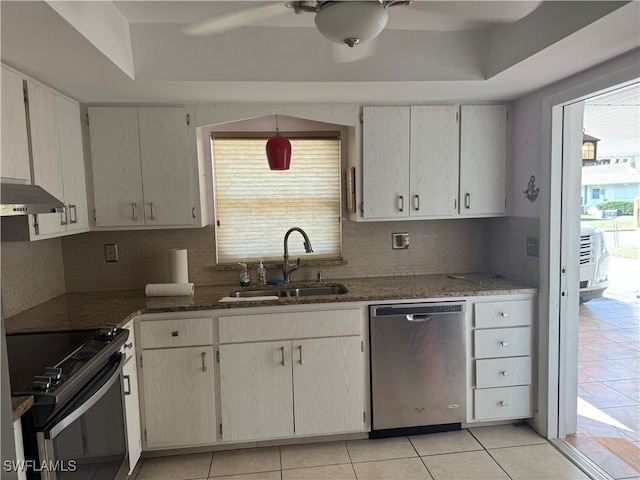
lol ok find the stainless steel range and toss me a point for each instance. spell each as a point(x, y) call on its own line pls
point(76, 426)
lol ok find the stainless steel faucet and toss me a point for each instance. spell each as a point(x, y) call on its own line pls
point(287, 268)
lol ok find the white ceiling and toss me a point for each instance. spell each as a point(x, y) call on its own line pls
point(137, 51)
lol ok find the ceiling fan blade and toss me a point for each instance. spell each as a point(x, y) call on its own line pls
point(344, 54)
point(233, 20)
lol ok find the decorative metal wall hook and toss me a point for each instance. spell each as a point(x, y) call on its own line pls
point(531, 193)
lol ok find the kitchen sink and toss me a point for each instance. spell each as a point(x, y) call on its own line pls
point(319, 290)
point(292, 292)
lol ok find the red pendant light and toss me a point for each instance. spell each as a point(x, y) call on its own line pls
point(278, 151)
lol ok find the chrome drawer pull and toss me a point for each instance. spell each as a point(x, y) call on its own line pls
point(505, 373)
point(175, 334)
point(135, 213)
point(282, 353)
point(504, 403)
point(300, 347)
point(128, 345)
point(504, 343)
point(204, 366)
point(504, 314)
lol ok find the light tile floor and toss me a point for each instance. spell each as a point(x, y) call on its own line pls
point(499, 452)
point(609, 386)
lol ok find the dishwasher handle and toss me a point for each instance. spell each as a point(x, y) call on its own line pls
point(412, 317)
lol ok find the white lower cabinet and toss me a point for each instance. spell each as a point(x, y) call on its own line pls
point(178, 382)
point(131, 399)
point(294, 386)
point(502, 381)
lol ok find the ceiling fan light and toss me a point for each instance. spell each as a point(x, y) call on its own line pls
point(351, 23)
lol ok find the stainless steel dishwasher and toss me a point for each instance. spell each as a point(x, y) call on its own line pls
point(418, 368)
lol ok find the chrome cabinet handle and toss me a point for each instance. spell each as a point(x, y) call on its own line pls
point(467, 200)
point(416, 202)
point(64, 216)
point(153, 213)
point(400, 203)
point(282, 353)
point(128, 345)
point(504, 314)
point(300, 348)
point(175, 334)
point(504, 343)
point(504, 403)
point(505, 373)
point(134, 207)
point(204, 366)
point(73, 218)
point(127, 389)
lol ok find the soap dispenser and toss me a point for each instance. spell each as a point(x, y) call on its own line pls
point(245, 278)
point(262, 274)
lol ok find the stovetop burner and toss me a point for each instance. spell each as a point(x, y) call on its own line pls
point(75, 368)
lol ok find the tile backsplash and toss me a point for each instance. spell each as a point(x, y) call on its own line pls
point(35, 272)
point(32, 273)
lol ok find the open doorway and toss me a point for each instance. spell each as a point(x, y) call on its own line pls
point(607, 429)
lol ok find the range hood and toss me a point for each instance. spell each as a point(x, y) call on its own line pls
point(20, 199)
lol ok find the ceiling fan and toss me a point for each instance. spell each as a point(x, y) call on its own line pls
point(343, 22)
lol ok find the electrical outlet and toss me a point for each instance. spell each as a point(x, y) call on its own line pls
point(400, 241)
point(532, 246)
point(111, 252)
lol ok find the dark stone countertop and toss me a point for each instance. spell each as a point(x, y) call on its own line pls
point(85, 311)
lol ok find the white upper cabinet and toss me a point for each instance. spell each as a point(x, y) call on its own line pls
point(72, 162)
point(435, 161)
point(115, 161)
point(483, 160)
point(58, 163)
point(145, 168)
point(15, 147)
point(385, 162)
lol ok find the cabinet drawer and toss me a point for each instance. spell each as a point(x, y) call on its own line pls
point(503, 314)
point(502, 342)
point(176, 333)
point(276, 326)
point(507, 402)
point(503, 372)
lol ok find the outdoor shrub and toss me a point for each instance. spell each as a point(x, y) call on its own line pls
point(625, 207)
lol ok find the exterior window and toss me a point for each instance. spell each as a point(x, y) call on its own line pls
point(595, 194)
point(255, 206)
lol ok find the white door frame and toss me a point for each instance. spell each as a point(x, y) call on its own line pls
point(554, 405)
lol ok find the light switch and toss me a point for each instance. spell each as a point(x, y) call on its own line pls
point(532, 246)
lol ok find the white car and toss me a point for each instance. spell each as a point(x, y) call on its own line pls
point(594, 263)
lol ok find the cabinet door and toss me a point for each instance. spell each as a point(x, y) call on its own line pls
point(179, 396)
point(167, 166)
point(385, 162)
point(434, 161)
point(15, 149)
point(47, 168)
point(131, 400)
point(115, 160)
point(328, 378)
point(483, 157)
point(255, 391)
point(72, 162)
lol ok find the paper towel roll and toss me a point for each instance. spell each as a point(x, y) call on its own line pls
point(179, 266)
point(168, 289)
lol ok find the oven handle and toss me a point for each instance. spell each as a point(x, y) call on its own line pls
point(54, 431)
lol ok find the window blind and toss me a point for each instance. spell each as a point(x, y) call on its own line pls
point(256, 206)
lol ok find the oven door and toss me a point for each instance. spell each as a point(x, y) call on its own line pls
point(86, 438)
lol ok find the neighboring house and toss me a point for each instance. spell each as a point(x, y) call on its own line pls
point(606, 183)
